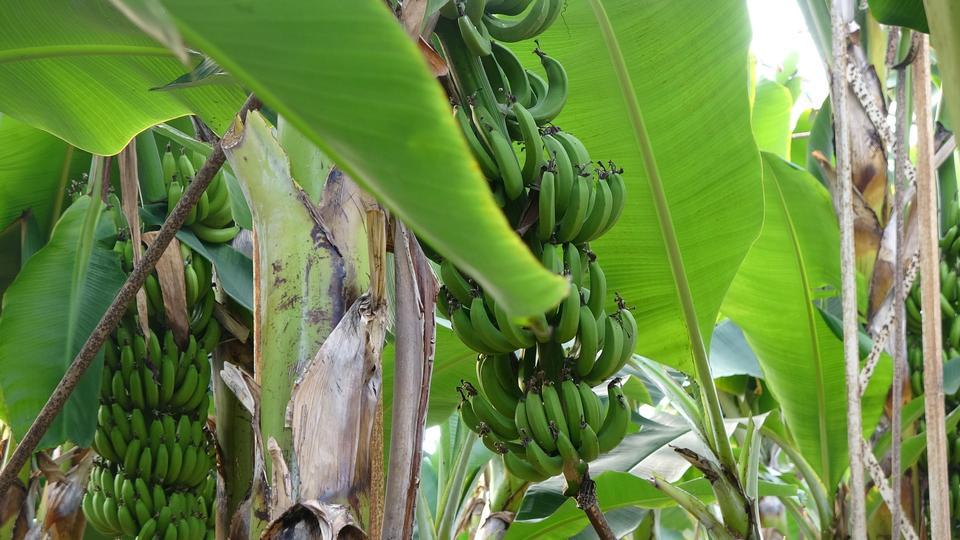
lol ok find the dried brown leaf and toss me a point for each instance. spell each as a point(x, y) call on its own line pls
point(234, 327)
point(170, 275)
point(313, 519)
point(438, 66)
point(411, 16)
point(335, 401)
point(130, 193)
point(282, 485)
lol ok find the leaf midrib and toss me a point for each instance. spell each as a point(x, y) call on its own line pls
point(26, 54)
point(814, 337)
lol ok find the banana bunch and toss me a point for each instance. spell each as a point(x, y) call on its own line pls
point(154, 474)
point(541, 428)
point(482, 21)
point(122, 505)
point(211, 220)
point(533, 402)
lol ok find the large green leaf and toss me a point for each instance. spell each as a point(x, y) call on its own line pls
point(617, 490)
point(909, 13)
point(771, 118)
point(81, 71)
point(689, 72)
point(943, 17)
point(346, 75)
point(772, 300)
point(48, 312)
point(34, 171)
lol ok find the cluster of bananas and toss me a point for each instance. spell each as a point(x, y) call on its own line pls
point(534, 403)
point(482, 21)
point(950, 319)
point(154, 474)
point(211, 220)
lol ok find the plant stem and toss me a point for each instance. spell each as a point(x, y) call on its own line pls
point(899, 295)
point(714, 427)
point(841, 15)
point(415, 332)
point(814, 484)
point(111, 318)
point(453, 491)
point(937, 471)
point(587, 501)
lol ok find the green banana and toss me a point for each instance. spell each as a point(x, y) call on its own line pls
point(189, 463)
point(565, 172)
point(149, 529)
point(463, 328)
point(575, 211)
point(161, 464)
point(588, 342)
point(501, 425)
point(185, 168)
point(589, 448)
point(572, 409)
point(946, 308)
point(534, 154)
point(616, 419)
point(576, 151)
point(598, 290)
point(552, 258)
point(519, 337)
point(168, 371)
point(599, 213)
point(103, 446)
point(151, 391)
point(192, 283)
point(138, 424)
point(475, 40)
point(553, 408)
point(143, 493)
point(535, 21)
point(550, 105)
point(215, 235)
point(127, 362)
point(467, 416)
point(128, 494)
point(507, 7)
point(174, 192)
point(458, 286)
point(538, 458)
point(477, 148)
point(566, 327)
point(119, 417)
point(571, 264)
point(505, 158)
point(485, 329)
point(131, 458)
point(174, 462)
point(629, 325)
point(537, 420)
point(546, 205)
point(591, 405)
point(521, 468)
point(187, 388)
point(110, 512)
point(618, 197)
point(514, 73)
point(611, 354)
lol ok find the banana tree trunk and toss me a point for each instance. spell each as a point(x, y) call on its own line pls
point(316, 338)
